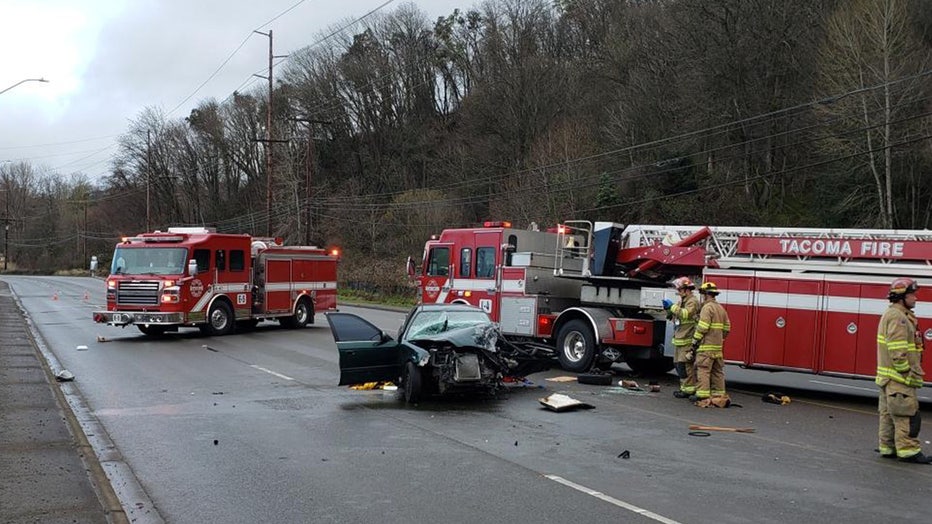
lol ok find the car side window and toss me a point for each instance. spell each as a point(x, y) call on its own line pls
point(350, 328)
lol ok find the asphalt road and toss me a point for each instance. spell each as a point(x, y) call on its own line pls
point(251, 427)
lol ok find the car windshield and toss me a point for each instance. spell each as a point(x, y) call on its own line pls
point(430, 323)
point(149, 261)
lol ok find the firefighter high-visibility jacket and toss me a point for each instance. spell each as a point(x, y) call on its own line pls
point(899, 347)
point(713, 326)
point(684, 317)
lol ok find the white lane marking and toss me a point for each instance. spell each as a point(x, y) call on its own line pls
point(270, 372)
point(872, 390)
point(612, 500)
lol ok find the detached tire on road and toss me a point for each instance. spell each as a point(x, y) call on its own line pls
point(576, 346)
point(411, 383)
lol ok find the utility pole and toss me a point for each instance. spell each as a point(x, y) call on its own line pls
point(308, 169)
point(269, 159)
point(148, 176)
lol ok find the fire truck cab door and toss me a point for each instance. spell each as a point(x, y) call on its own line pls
point(436, 273)
point(487, 265)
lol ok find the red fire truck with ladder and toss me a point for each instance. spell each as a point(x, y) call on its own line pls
point(217, 282)
point(799, 299)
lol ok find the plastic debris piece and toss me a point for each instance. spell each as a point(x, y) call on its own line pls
point(559, 403)
point(630, 384)
point(101, 338)
point(81, 348)
point(625, 454)
point(561, 379)
point(64, 376)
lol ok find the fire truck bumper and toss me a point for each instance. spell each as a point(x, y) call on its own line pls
point(123, 318)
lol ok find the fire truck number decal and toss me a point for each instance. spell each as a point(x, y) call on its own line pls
point(432, 288)
point(241, 299)
point(197, 288)
point(486, 305)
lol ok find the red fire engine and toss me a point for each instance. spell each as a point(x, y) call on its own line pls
point(799, 299)
point(196, 277)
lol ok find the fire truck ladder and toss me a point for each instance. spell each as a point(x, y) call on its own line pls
point(723, 248)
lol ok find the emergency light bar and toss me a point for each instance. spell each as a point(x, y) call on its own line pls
point(497, 223)
point(127, 240)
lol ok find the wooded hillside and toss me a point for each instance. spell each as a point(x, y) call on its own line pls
point(725, 112)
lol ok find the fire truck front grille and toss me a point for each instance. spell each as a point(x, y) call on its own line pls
point(138, 293)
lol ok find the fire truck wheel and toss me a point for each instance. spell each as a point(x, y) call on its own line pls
point(219, 319)
point(576, 346)
point(301, 317)
point(411, 382)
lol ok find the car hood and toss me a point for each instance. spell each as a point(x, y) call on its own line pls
point(483, 336)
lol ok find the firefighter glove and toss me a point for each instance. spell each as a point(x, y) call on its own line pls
point(695, 345)
point(667, 303)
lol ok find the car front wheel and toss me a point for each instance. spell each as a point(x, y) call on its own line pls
point(411, 382)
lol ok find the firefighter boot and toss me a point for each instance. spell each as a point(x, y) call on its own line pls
point(918, 458)
point(680, 394)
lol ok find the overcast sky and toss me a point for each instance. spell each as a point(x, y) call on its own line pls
point(106, 60)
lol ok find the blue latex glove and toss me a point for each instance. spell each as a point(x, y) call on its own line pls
point(667, 303)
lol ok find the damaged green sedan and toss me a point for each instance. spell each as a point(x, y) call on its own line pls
point(440, 348)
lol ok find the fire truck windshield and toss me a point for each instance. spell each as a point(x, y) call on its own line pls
point(149, 261)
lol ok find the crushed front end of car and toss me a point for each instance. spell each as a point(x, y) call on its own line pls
point(466, 358)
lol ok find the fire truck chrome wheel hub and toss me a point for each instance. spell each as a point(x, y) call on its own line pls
point(218, 319)
point(574, 346)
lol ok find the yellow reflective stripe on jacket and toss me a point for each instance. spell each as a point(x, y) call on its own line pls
point(682, 341)
point(896, 376)
point(709, 347)
point(681, 312)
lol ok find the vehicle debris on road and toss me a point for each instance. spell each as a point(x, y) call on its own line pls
point(559, 402)
point(696, 427)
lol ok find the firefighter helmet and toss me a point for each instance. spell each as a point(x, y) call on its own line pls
point(683, 283)
point(708, 288)
point(902, 287)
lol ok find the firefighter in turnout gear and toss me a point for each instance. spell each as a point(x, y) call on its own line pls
point(711, 330)
point(899, 375)
point(684, 315)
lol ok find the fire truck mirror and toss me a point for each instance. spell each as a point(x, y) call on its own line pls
point(411, 268)
point(192, 267)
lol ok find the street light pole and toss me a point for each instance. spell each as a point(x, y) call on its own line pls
point(23, 82)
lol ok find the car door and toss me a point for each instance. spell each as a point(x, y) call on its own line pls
point(366, 353)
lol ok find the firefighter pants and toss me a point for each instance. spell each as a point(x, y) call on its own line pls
point(898, 435)
point(710, 374)
point(685, 369)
